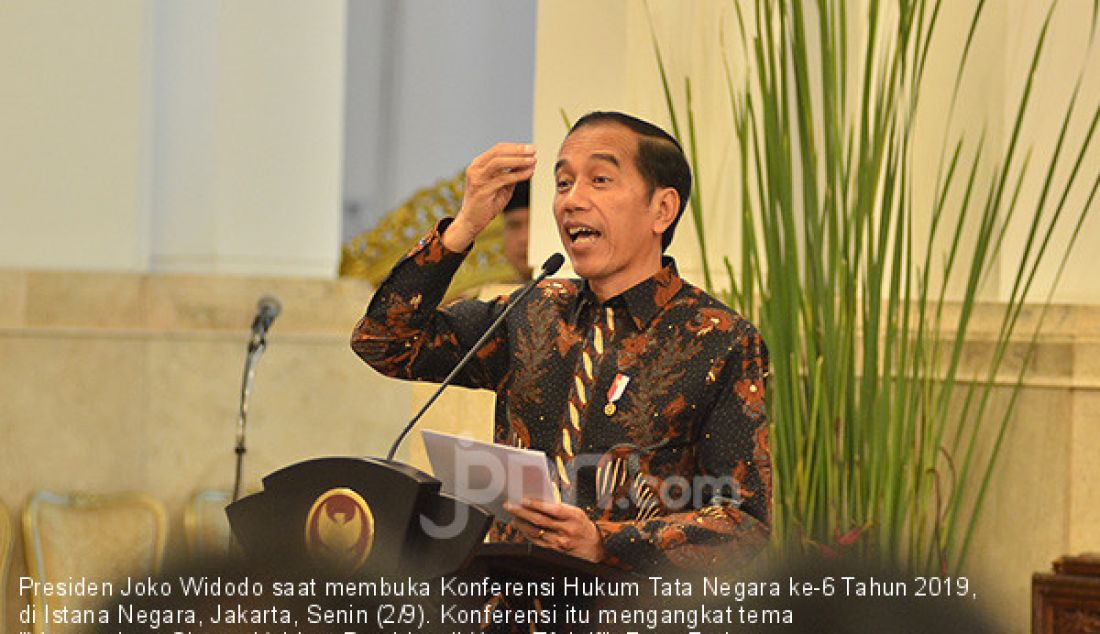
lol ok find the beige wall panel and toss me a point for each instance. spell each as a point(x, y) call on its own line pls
point(325, 401)
point(90, 300)
point(194, 383)
point(13, 297)
point(192, 302)
point(68, 403)
point(311, 398)
point(1024, 522)
point(1084, 515)
point(458, 411)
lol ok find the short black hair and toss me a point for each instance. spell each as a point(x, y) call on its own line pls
point(521, 197)
point(660, 159)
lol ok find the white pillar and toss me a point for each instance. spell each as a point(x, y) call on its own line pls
point(176, 135)
point(74, 121)
point(248, 136)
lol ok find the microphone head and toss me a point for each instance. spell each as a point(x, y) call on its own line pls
point(552, 264)
point(269, 305)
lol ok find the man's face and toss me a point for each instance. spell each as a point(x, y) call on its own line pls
point(609, 224)
point(515, 240)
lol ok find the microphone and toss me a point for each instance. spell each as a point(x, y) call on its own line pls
point(549, 267)
point(267, 309)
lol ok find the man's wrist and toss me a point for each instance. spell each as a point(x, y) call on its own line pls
point(601, 553)
point(458, 236)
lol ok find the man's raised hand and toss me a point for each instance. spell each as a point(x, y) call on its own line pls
point(490, 179)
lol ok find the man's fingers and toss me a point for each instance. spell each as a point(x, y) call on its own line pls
point(512, 150)
point(539, 520)
point(490, 182)
point(502, 170)
point(554, 510)
point(513, 163)
point(531, 531)
point(502, 166)
point(525, 527)
point(549, 535)
point(559, 526)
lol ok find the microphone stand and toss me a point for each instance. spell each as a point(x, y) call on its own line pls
point(256, 349)
point(551, 266)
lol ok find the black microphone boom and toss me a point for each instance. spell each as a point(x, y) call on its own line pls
point(549, 267)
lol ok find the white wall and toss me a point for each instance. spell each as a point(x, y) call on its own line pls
point(1067, 53)
point(74, 143)
point(175, 135)
point(430, 85)
point(209, 136)
point(606, 61)
point(583, 65)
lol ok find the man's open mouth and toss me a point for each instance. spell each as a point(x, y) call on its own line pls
point(582, 233)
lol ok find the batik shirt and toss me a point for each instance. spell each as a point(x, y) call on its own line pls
point(650, 405)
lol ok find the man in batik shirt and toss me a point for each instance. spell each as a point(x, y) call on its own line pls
point(646, 393)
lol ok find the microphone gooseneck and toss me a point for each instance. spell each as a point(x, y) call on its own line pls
point(549, 267)
point(267, 309)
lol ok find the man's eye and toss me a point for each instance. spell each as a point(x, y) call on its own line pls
point(563, 184)
point(601, 180)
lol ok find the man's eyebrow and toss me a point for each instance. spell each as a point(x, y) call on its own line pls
point(603, 156)
point(595, 156)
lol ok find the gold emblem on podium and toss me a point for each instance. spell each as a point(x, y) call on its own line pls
point(340, 530)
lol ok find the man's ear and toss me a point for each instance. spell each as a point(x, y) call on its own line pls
point(666, 204)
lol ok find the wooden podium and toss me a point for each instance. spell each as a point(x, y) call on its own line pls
point(357, 517)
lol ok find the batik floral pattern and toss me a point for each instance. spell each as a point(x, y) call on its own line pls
point(674, 469)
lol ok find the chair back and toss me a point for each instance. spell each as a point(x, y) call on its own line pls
point(205, 524)
point(5, 561)
point(101, 538)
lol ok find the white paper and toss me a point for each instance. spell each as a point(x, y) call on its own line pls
point(488, 474)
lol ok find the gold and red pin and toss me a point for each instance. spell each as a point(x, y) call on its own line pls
point(615, 392)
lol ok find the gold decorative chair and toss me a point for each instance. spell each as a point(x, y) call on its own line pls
point(102, 538)
point(372, 254)
point(205, 524)
point(5, 560)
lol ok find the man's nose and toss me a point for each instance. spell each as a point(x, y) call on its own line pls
point(574, 198)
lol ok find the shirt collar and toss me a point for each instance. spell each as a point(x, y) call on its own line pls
point(644, 300)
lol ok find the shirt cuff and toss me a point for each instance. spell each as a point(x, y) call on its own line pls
point(432, 244)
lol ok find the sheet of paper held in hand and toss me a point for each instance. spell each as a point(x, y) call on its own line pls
point(488, 474)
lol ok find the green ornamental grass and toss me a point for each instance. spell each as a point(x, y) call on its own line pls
point(882, 447)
